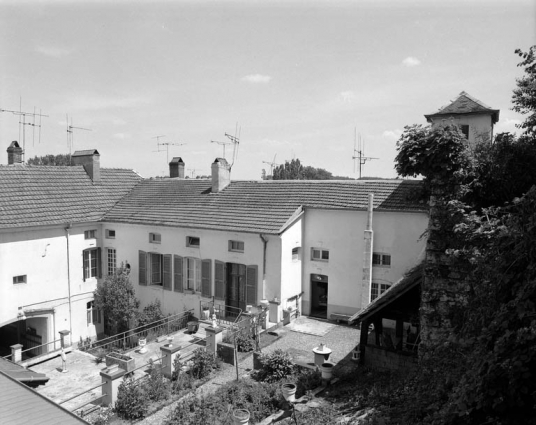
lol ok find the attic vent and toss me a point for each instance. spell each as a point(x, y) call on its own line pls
point(155, 238)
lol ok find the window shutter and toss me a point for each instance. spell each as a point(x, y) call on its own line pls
point(85, 264)
point(99, 263)
point(219, 280)
point(167, 273)
point(142, 278)
point(177, 275)
point(206, 281)
point(251, 285)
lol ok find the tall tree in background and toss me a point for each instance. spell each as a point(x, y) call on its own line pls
point(524, 98)
point(294, 170)
point(61, 159)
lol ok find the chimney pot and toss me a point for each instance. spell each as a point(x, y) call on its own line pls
point(14, 153)
point(90, 159)
point(221, 174)
point(176, 168)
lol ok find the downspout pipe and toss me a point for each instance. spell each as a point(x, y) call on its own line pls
point(69, 226)
point(265, 243)
point(366, 280)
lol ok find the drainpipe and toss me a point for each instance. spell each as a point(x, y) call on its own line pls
point(265, 242)
point(366, 280)
point(69, 281)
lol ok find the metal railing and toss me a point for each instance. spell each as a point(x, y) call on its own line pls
point(37, 351)
point(128, 340)
point(226, 315)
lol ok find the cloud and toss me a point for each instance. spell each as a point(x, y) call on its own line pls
point(410, 61)
point(52, 51)
point(121, 136)
point(257, 79)
point(95, 102)
point(507, 125)
point(392, 134)
point(118, 121)
point(348, 96)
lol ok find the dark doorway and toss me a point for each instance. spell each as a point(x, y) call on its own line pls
point(236, 285)
point(319, 295)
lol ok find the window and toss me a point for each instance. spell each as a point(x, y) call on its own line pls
point(296, 254)
point(94, 315)
point(192, 241)
point(318, 254)
point(90, 234)
point(155, 265)
point(91, 261)
point(19, 279)
point(155, 238)
point(112, 261)
point(464, 128)
point(193, 274)
point(236, 246)
point(377, 289)
point(110, 234)
point(379, 259)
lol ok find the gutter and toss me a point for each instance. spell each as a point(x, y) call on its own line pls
point(69, 225)
point(265, 243)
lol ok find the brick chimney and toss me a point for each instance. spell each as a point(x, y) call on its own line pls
point(90, 159)
point(221, 175)
point(14, 153)
point(176, 167)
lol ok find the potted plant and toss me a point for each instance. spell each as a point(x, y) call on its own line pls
point(241, 417)
point(125, 362)
point(327, 371)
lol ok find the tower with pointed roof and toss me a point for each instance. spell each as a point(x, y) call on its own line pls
point(474, 118)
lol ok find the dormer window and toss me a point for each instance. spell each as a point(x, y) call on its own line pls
point(193, 241)
point(236, 246)
point(110, 234)
point(155, 238)
point(90, 234)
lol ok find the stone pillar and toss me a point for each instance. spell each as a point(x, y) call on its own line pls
point(16, 353)
point(169, 353)
point(111, 378)
point(214, 336)
point(264, 319)
point(65, 339)
point(275, 314)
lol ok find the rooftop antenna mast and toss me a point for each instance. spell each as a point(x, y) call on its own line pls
point(70, 133)
point(272, 165)
point(192, 171)
point(222, 144)
point(235, 140)
point(23, 124)
point(360, 151)
point(167, 145)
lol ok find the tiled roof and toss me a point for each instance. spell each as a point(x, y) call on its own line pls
point(21, 374)
point(397, 289)
point(32, 195)
point(254, 206)
point(465, 104)
point(22, 405)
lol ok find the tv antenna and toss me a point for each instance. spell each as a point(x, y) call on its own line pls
point(272, 165)
point(70, 133)
point(235, 140)
point(222, 144)
point(23, 124)
point(360, 151)
point(192, 171)
point(166, 144)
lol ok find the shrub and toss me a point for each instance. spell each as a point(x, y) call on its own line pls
point(244, 341)
point(202, 364)
point(275, 366)
point(180, 380)
point(131, 402)
point(101, 417)
point(157, 387)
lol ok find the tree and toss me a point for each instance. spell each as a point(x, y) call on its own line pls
point(294, 170)
point(115, 296)
point(61, 159)
point(524, 97)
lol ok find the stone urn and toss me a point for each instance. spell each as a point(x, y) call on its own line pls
point(322, 354)
point(241, 417)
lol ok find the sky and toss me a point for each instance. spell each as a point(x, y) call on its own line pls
point(290, 79)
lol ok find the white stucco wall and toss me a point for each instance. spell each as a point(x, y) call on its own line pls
point(41, 255)
point(480, 126)
point(342, 233)
point(291, 270)
point(130, 239)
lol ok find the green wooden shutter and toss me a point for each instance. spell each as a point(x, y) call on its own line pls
point(206, 278)
point(251, 285)
point(142, 267)
point(85, 263)
point(167, 278)
point(99, 263)
point(219, 280)
point(177, 273)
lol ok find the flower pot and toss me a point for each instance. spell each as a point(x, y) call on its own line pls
point(193, 327)
point(289, 392)
point(327, 371)
point(240, 417)
point(206, 314)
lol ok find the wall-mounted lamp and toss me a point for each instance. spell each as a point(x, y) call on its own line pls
point(20, 314)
